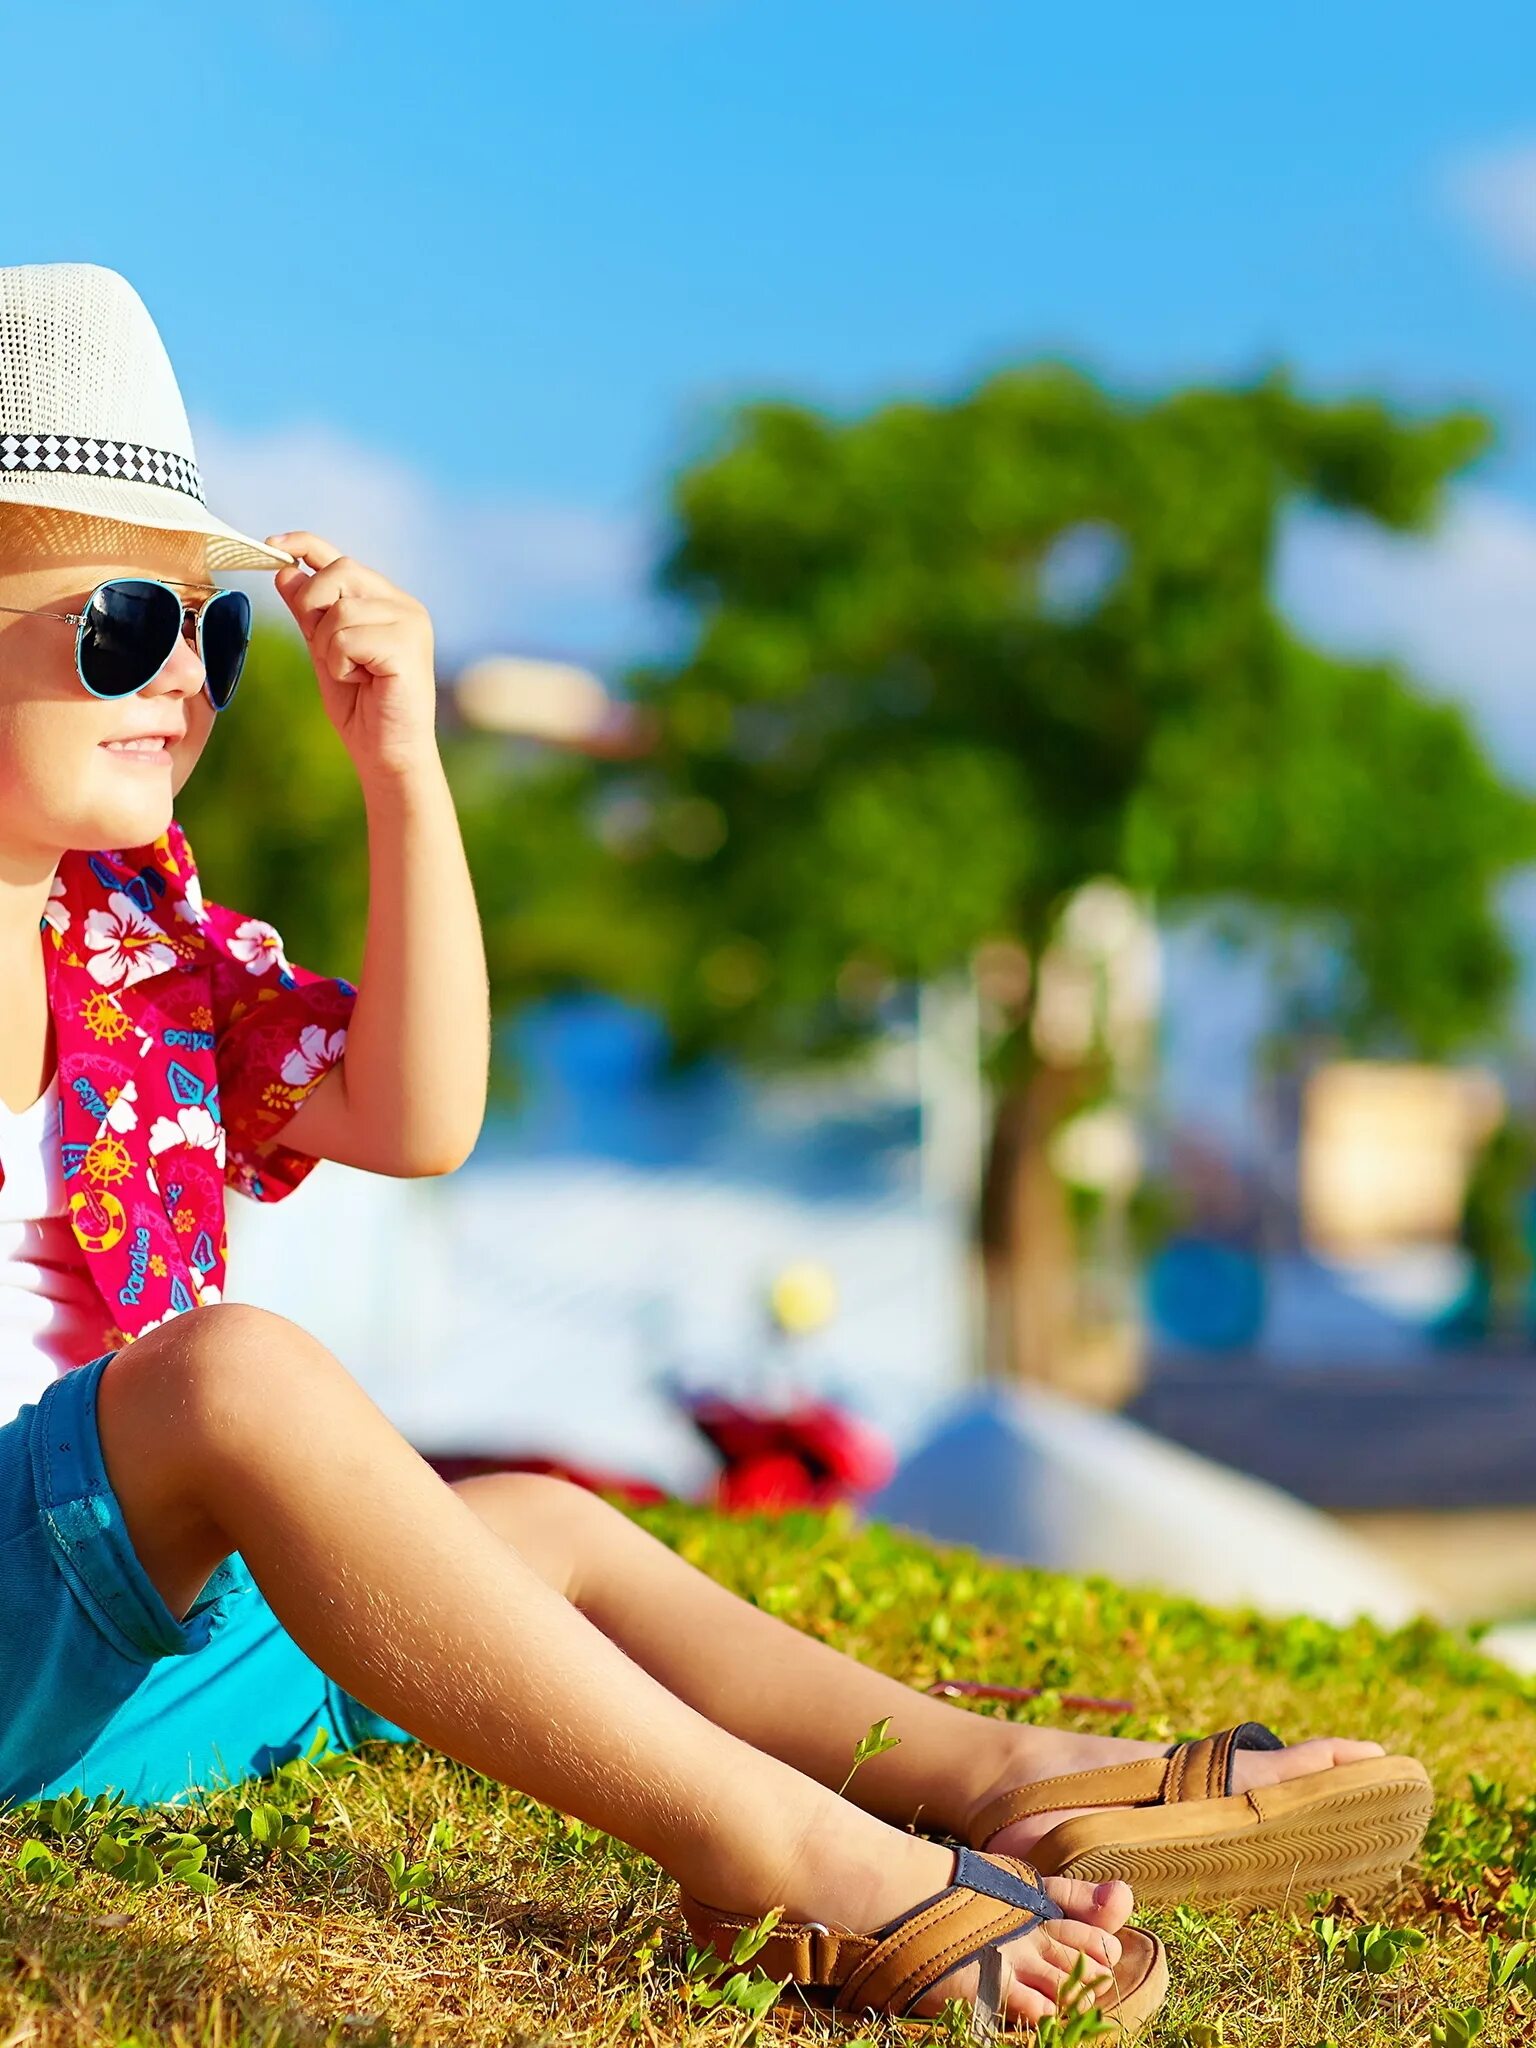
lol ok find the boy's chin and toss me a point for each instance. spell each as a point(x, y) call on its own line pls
point(121, 818)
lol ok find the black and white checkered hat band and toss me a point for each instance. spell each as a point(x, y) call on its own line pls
point(86, 455)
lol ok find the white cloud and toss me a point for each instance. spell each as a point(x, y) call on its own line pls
point(497, 574)
point(1456, 607)
point(1495, 191)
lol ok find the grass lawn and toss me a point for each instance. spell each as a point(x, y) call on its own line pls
point(395, 1898)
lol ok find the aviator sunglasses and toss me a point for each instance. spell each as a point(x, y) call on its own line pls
point(130, 627)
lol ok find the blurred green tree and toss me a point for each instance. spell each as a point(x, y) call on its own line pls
point(949, 662)
point(1496, 1229)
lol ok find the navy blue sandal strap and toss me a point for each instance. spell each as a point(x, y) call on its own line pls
point(974, 1871)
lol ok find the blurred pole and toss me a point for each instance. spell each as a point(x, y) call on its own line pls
point(954, 1113)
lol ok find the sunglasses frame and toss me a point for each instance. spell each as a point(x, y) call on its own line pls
point(79, 620)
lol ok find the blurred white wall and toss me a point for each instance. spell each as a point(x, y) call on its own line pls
point(533, 1307)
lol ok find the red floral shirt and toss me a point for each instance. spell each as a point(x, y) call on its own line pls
point(185, 1041)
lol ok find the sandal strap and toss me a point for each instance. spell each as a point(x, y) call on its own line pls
point(808, 1953)
point(1203, 1769)
point(1190, 1770)
point(1141, 1783)
point(990, 1899)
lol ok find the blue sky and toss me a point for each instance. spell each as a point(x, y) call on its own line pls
point(468, 280)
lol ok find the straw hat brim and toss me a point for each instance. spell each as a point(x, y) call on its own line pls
point(140, 504)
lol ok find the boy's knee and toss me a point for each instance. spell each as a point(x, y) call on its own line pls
point(216, 1366)
point(530, 1508)
point(560, 1498)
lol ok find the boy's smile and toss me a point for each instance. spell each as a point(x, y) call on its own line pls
point(143, 747)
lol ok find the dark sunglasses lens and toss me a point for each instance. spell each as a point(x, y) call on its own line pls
point(226, 636)
point(129, 633)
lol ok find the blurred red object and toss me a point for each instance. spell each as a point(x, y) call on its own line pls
point(640, 1492)
point(807, 1455)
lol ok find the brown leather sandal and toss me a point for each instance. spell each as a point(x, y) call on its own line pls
point(989, 1900)
point(1348, 1829)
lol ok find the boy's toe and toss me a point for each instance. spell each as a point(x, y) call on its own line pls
point(1068, 1940)
point(1108, 1904)
point(1086, 1960)
point(1024, 2002)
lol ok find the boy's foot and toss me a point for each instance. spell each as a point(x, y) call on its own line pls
point(1039, 1966)
point(1049, 1753)
point(862, 1899)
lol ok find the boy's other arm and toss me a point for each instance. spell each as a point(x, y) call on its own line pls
point(408, 1094)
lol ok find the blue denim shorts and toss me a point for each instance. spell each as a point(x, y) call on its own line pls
point(101, 1686)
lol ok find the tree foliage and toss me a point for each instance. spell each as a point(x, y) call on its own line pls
point(950, 660)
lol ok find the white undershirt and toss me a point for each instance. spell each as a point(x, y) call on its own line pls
point(51, 1315)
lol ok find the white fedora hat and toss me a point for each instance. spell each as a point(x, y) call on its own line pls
point(91, 420)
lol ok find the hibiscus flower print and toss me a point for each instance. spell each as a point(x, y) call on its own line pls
point(259, 945)
point(122, 1116)
point(316, 1053)
point(191, 908)
point(124, 944)
point(192, 1125)
point(56, 911)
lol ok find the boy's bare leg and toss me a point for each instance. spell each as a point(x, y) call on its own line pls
point(231, 1429)
point(797, 1698)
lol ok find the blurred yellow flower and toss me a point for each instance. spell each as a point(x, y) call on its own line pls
point(803, 1298)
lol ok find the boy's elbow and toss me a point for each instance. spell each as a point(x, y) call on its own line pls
point(424, 1166)
point(432, 1162)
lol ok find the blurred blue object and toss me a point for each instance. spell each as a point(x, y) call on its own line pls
point(1469, 1318)
point(1206, 1294)
point(598, 1087)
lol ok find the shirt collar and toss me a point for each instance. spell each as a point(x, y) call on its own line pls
point(115, 912)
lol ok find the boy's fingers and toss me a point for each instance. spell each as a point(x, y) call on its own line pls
point(335, 575)
point(334, 624)
point(309, 547)
point(312, 598)
point(291, 586)
point(352, 611)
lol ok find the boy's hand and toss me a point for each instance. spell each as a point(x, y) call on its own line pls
point(371, 645)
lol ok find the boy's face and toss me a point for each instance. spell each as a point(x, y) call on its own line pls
point(61, 785)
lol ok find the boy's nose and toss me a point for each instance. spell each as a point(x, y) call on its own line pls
point(182, 675)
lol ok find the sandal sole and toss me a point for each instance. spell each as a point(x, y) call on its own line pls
point(1282, 1842)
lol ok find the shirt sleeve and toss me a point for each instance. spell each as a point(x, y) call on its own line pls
point(278, 1030)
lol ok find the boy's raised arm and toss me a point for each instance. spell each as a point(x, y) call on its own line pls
point(408, 1096)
